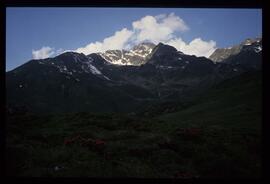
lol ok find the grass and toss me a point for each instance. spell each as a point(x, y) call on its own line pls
point(227, 146)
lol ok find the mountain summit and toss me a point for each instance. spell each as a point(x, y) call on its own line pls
point(136, 56)
point(222, 54)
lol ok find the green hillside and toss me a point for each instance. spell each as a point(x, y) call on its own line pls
point(217, 136)
point(235, 103)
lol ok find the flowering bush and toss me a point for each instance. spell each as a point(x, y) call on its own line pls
point(84, 141)
point(99, 142)
point(183, 175)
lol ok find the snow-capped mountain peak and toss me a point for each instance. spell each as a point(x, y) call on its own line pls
point(135, 56)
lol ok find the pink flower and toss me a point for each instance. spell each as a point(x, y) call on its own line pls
point(99, 142)
point(67, 141)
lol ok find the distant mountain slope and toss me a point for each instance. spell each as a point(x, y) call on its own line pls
point(221, 54)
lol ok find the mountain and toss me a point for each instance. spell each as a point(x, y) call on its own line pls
point(165, 56)
point(136, 56)
point(69, 82)
point(246, 56)
point(119, 81)
point(250, 53)
point(222, 54)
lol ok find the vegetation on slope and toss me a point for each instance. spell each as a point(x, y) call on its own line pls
point(219, 135)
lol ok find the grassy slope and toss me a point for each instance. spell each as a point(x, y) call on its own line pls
point(228, 116)
point(235, 103)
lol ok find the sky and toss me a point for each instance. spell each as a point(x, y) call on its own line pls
point(37, 33)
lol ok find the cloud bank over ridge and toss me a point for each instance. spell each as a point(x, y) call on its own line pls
point(155, 29)
point(43, 53)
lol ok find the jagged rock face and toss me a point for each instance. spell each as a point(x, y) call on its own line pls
point(164, 55)
point(136, 56)
point(222, 54)
point(167, 57)
point(254, 45)
point(162, 49)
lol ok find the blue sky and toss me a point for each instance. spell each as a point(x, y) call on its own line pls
point(60, 29)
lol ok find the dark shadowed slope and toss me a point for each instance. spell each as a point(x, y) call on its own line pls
point(216, 137)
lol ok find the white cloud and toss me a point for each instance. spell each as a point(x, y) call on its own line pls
point(160, 28)
point(174, 23)
point(42, 53)
point(59, 51)
point(117, 41)
point(196, 47)
point(155, 29)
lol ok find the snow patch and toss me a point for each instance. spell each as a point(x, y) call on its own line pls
point(88, 67)
point(90, 59)
point(63, 69)
point(129, 54)
point(258, 49)
point(138, 53)
point(94, 70)
point(164, 67)
point(106, 77)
